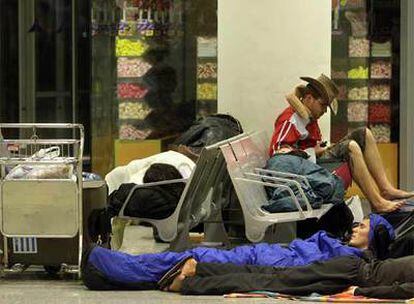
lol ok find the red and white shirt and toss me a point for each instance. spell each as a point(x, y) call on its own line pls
point(293, 130)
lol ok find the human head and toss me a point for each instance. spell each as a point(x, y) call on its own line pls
point(313, 101)
point(158, 172)
point(360, 234)
point(319, 94)
point(373, 231)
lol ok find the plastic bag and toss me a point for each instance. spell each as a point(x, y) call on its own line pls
point(41, 171)
point(50, 172)
point(48, 153)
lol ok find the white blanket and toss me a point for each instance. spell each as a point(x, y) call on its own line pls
point(134, 172)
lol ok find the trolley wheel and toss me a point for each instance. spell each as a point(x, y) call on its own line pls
point(51, 269)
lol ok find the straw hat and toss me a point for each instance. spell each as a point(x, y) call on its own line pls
point(326, 88)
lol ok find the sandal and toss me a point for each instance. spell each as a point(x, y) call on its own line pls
point(171, 274)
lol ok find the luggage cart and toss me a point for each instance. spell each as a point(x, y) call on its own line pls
point(41, 212)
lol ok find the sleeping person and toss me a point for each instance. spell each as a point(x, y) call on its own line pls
point(105, 269)
point(387, 279)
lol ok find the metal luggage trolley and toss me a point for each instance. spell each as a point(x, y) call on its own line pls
point(41, 196)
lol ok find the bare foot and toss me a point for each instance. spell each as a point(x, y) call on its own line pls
point(188, 270)
point(176, 284)
point(388, 206)
point(393, 194)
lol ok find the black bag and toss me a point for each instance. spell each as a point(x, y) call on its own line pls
point(337, 222)
point(209, 130)
point(99, 227)
point(403, 223)
point(381, 242)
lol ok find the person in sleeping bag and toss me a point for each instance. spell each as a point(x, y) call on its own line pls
point(351, 275)
point(103, 269)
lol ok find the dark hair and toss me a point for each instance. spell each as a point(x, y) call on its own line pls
point(312, 91)
point(158, 172)
point(380, 243)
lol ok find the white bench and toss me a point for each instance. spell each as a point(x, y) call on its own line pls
point(245, 158)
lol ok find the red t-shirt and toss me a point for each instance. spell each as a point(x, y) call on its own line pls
point(293, 130)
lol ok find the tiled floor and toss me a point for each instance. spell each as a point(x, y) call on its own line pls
point(35, 287)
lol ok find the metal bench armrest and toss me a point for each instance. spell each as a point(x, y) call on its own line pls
point(275, 185)
point(283, 174)
point(148, 185)
point(285, 180)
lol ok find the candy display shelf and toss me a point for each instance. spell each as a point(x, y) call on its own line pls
point(144, 33)
point(381, 57)
point(206, 76)
point(363, 66)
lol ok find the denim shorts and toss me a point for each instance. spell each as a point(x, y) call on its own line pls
point(340, 150)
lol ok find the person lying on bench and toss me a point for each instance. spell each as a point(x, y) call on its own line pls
point(156, 202)
point(148, 202)
point(297, 126)
point(103, 269)
point(387, 279)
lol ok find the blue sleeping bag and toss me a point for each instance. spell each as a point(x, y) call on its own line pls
point(126, 271)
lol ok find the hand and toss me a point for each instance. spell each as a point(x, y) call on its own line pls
point(319, 150)
point(285, 149)
point(323, 144)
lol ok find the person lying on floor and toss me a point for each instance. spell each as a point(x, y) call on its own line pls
point(103, 269)
point(387, 279)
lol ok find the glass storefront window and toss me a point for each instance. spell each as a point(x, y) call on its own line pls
point(365, 65)
point(44, 71)
point(9, 62)
point(154, 72)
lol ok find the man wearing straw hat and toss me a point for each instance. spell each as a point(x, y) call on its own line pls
point(297, 127)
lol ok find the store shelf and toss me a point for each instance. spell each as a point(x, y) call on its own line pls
point(381, 57)
point(347, 99)
point(137, 80)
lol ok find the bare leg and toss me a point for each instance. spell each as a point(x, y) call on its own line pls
point(363, 178)
point(376, 168)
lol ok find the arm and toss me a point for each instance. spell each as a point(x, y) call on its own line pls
point(397, 291)
point(285, 134)
point(285, 131)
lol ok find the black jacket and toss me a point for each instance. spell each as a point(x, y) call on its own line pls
point(391, 278)
point(156, 202)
